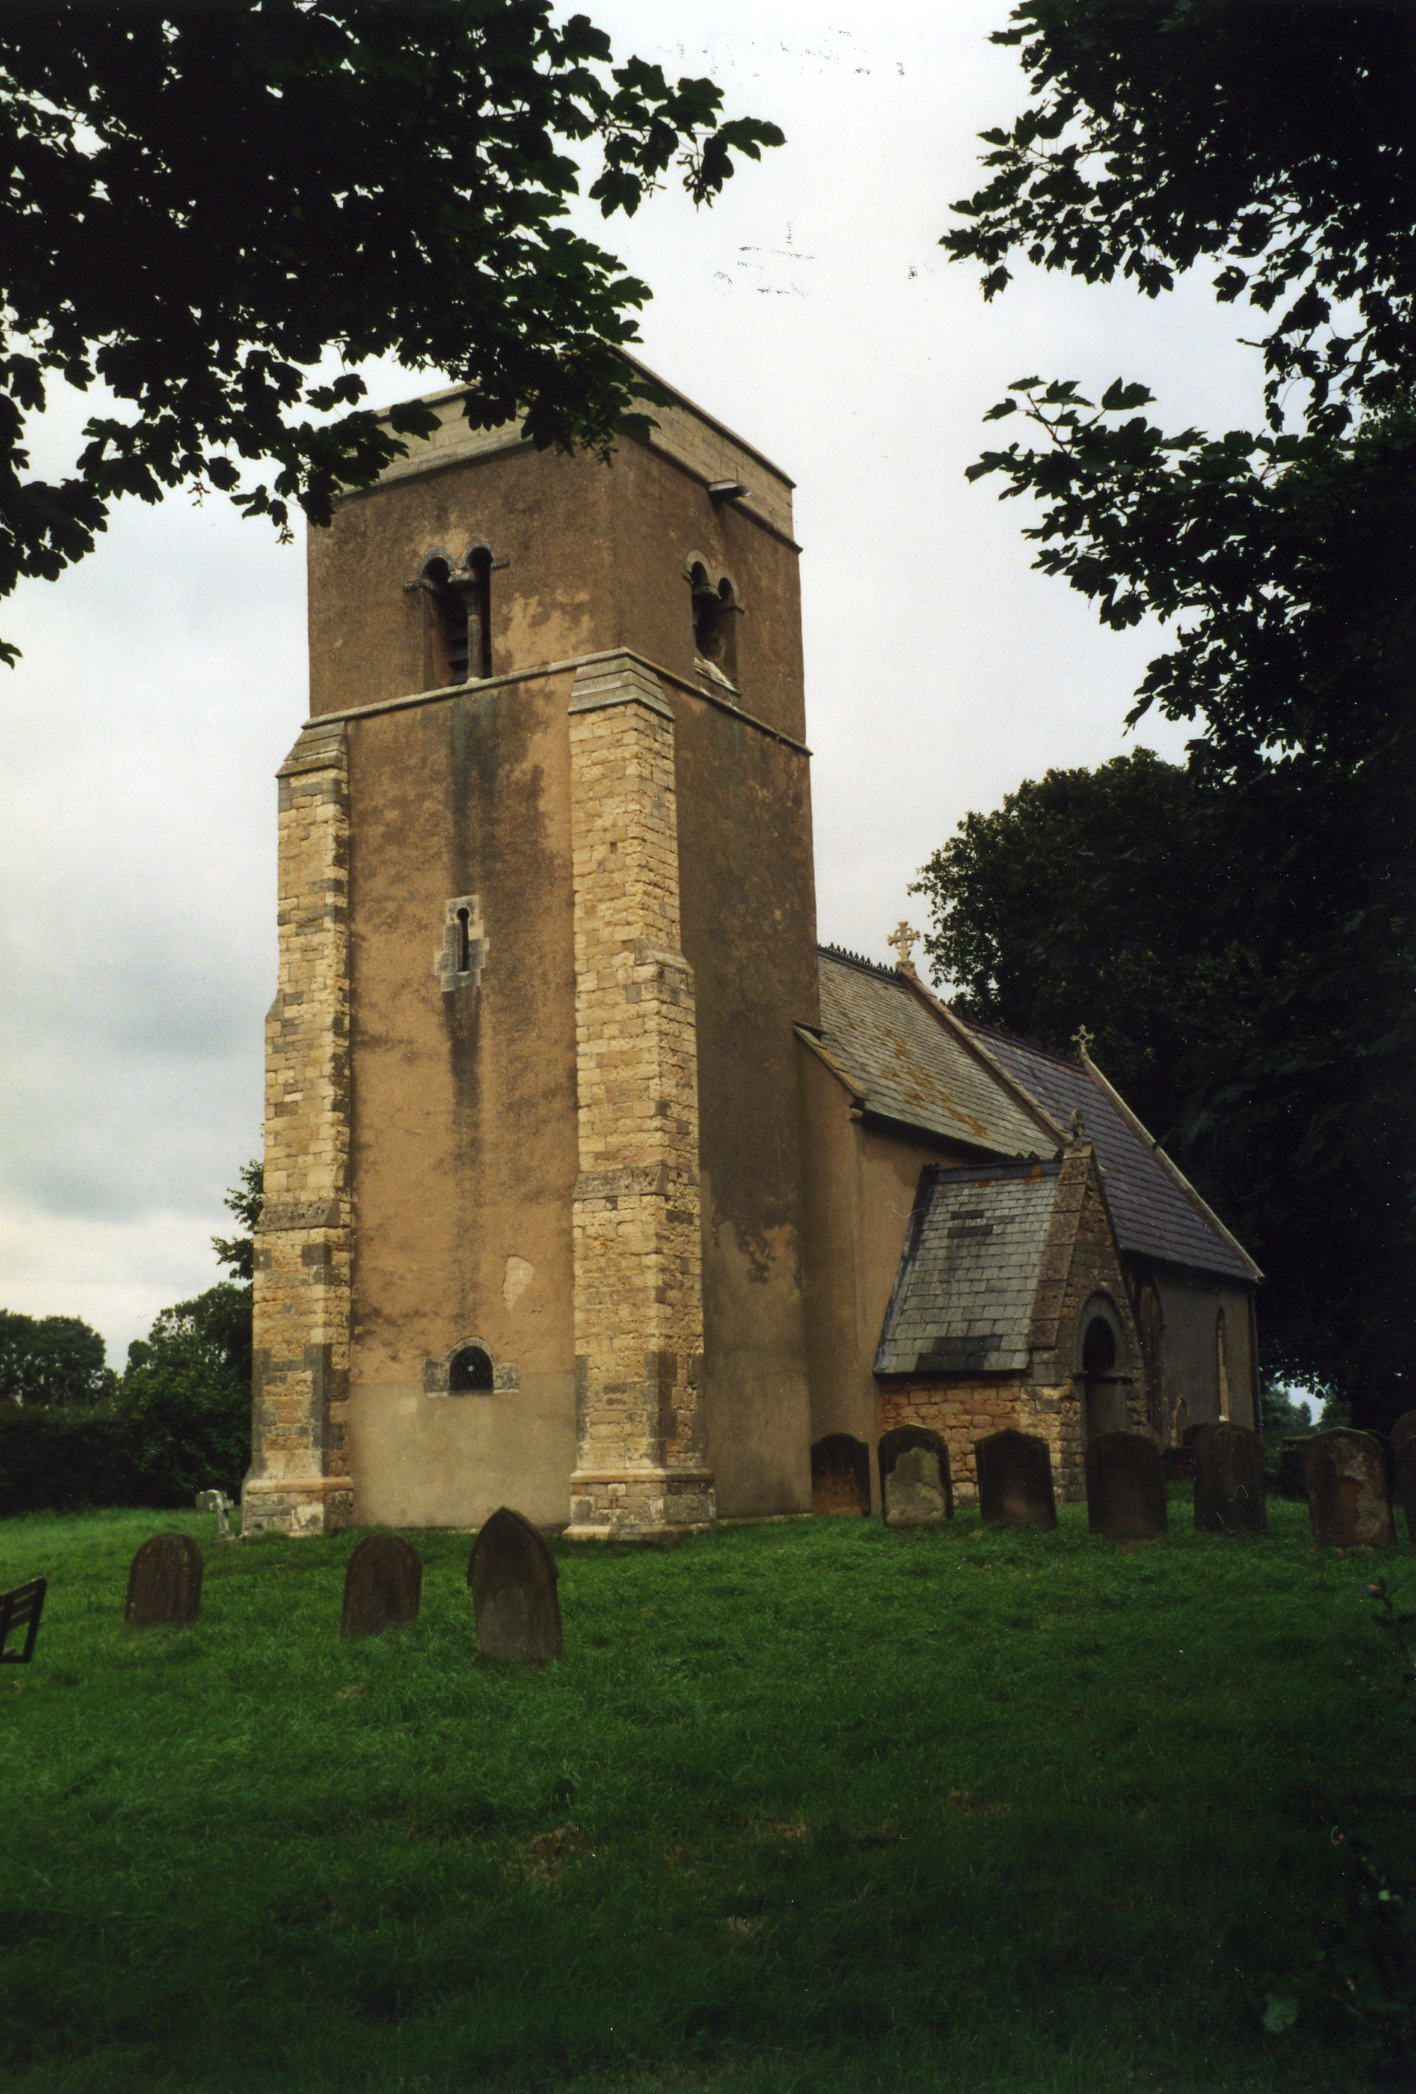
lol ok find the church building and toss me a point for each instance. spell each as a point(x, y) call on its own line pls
point(592, 1185)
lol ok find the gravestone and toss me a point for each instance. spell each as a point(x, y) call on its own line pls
point(513, 1581)
point(840, 1475)
point(1292, 1459)
point(1406, 1487)
point(383, 1583)
point(1015, 1480)
point(915, 1489)
point(1403, 1433)
point(165, 1583)
point(1125, 1487)
point(1229, 1480)
point(1348, 1505)
point(220, 1504)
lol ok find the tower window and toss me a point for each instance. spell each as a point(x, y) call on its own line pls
point(715, 615)
point(469, 1371)
point(459, 616)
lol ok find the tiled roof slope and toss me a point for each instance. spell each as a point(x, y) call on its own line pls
point(1152, 1212)
point(964, 1296)
point(904, 1063)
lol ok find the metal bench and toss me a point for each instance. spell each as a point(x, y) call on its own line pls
point(20, 1610)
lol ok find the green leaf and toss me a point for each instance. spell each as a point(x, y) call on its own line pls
point(1280, 2013)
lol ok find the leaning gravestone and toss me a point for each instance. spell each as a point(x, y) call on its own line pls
point(1229, 1480)
point(915, 1489)
point(165, 1583)
point(1406, 1487)
point(383, 1583)
point(1348, 1505)
point(1015, 1480)
point(1125, 1487)
point(513, 1581)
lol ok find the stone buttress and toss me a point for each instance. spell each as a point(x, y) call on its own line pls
point(299, 1481)
point(636, 1221)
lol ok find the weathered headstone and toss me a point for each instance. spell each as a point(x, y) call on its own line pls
point(513, 1580)
point(840, 1474)
point(383, 1583)
point(1292, 1461)
point(1015, 1480)
point(1403, 1433)
point(915, 1487)
point(1229, 1480)
point(1125, 1487)
point(1348, 1505)
point(1406, 1487)
point(164, 1583)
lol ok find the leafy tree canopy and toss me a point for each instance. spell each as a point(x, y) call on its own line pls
point(245, 1199)
point(201, 203)
point(185, 1395)
point(1161, 133)
point(50, 1360)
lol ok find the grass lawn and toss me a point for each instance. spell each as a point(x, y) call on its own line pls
point(806, 1806)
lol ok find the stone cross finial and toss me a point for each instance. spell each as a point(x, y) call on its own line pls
point(220, 1504)
point(1081, 1040)
point(904, 941)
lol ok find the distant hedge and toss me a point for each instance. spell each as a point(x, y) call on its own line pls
point(62, 1458)
point(158, 1448)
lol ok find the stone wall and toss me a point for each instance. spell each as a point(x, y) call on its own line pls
point(299, 1478)
point(636, 1215)
point(963, 1413)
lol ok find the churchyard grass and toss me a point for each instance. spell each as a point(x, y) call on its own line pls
point(805, 1806)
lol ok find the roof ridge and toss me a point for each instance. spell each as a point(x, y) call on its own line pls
point(1017, 1039)
point(856, 959)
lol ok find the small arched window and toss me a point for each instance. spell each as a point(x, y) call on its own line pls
point(459, 601)
point(469, 1371)
point(715, 615)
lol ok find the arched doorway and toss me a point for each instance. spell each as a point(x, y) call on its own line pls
point(1103, 1381)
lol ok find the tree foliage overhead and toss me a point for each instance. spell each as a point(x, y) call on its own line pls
point(1275, 146)
point(1276, 142)
point(200, 203)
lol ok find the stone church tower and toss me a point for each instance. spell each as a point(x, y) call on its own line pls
point(533, 1225)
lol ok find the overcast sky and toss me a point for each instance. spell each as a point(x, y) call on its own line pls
point(812, 311)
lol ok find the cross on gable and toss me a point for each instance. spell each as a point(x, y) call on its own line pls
point(904, 940)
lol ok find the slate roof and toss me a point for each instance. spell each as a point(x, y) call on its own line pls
point(904, 1063)
point(964, 1293)
point(1154, 1212)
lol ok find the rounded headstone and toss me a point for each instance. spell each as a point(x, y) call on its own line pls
point(164, 1583)
point(1125, 1487)
point(1229, 1480)
point(513, 1579)
point(915, 1488)
point(1346, 1475)
point(383, 1584)
point(1015, 1480)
